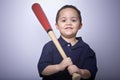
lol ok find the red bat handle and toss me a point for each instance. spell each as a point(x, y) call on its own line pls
point(41, 16)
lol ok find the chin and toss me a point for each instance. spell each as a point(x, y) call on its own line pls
point(69, 36)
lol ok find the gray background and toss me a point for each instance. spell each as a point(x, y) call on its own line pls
point(22, 37)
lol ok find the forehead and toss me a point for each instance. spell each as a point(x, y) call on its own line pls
point(68, 12)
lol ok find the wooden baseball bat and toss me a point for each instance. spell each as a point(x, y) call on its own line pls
point(46, 25)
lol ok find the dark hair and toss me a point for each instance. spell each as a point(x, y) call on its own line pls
point(69, 6)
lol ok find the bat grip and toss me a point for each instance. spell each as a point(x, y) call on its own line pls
point(75, 76)
point(57, 44)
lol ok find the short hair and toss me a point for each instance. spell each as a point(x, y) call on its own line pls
point(69, 6)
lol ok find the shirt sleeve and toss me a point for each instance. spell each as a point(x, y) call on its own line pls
point(90, 62)
point(45, 59)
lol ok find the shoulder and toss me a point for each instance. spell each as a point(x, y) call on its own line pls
point(48, 48)
point(82, 43)
point(85, 45)
point(49, 45)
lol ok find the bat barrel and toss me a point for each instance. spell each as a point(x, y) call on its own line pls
point(41, 17)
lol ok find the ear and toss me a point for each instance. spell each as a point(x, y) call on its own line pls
point(80, 26)
point(56, 25)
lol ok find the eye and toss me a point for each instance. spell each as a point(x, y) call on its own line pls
point(74, 20)
point(63, 20)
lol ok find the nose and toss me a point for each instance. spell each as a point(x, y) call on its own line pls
point(68, 22)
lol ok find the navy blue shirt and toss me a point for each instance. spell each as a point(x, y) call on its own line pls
point(80, 53)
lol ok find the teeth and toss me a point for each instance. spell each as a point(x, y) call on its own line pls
point(68, 28)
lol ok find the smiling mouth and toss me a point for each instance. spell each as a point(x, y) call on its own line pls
point(68, 28)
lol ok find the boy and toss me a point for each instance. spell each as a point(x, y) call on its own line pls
point(51, 66)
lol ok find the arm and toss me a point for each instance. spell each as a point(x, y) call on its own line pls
point(85, 74)
point(89, 68)
point(51, 69)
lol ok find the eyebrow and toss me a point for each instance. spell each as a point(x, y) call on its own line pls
point(65, 17)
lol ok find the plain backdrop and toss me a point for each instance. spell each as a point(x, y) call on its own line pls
point(22, 37)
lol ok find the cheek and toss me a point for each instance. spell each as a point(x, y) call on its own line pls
point(60, 26)
point(79, 26)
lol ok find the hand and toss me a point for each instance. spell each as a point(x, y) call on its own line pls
point(73, 69)
point(65, 63)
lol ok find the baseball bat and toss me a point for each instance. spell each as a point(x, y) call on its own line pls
point(46, 25)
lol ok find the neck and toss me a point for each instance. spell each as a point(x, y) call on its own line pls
point(72, 40)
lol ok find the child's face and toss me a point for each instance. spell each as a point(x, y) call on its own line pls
point(68, 22)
